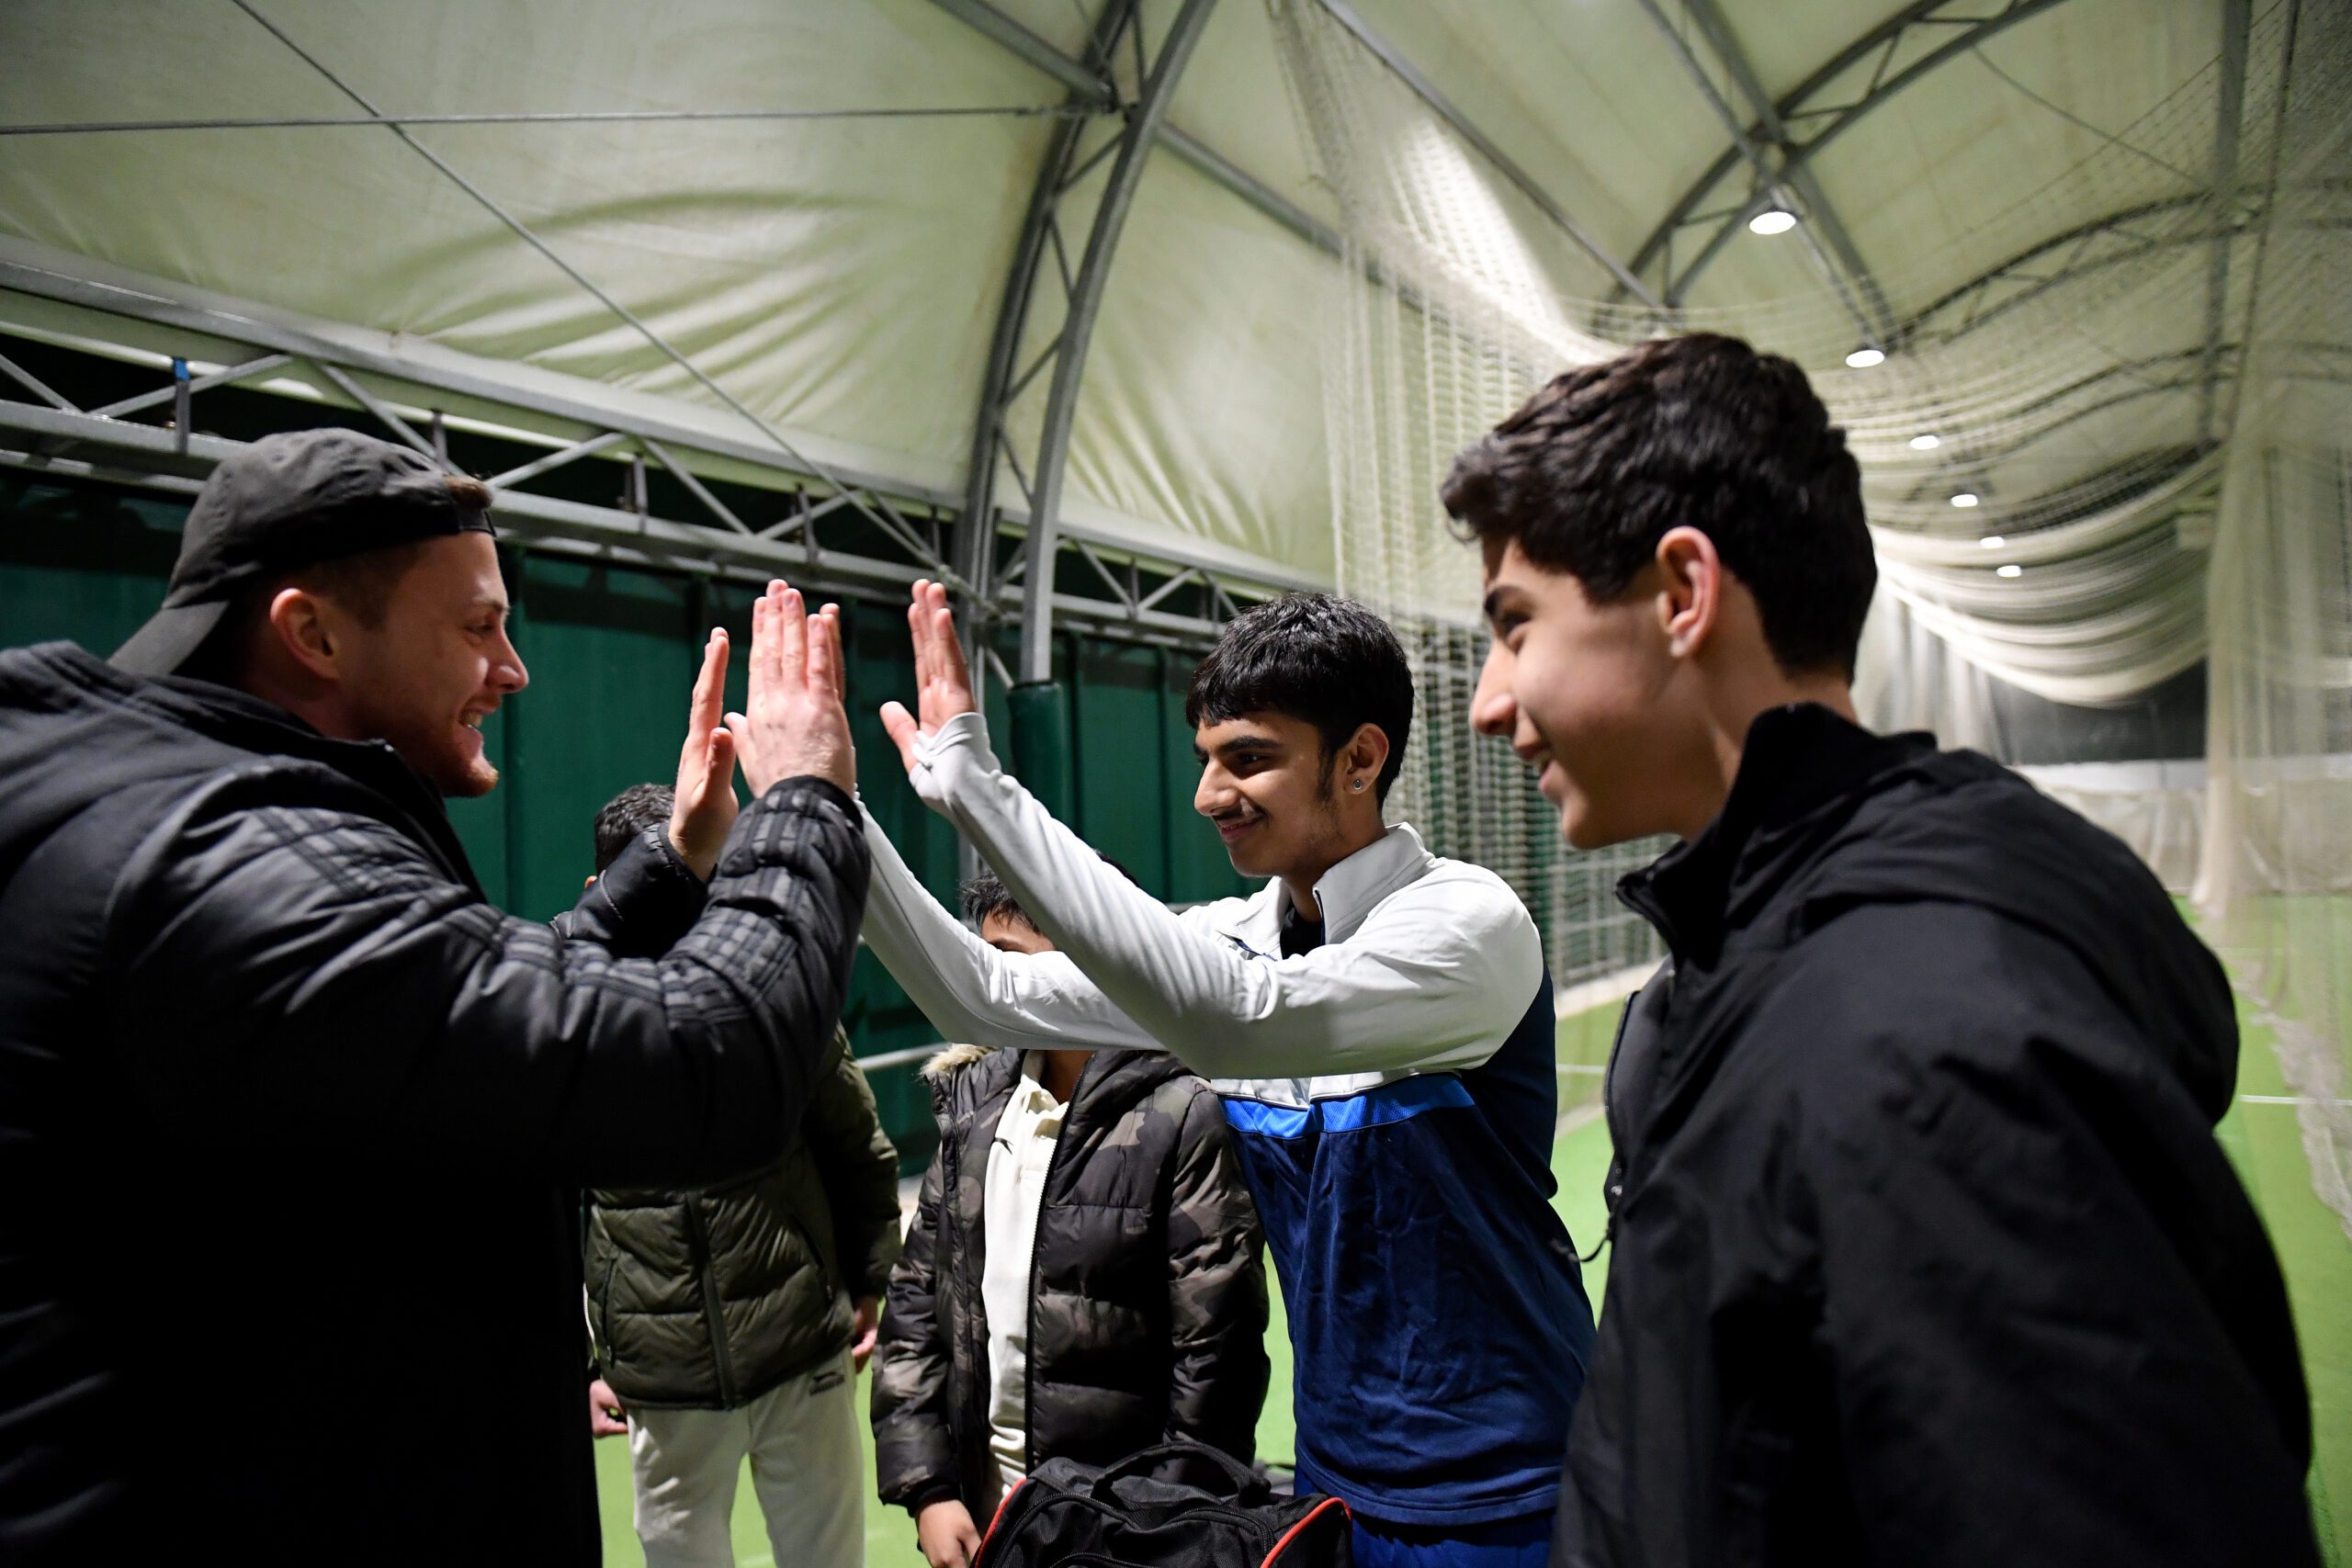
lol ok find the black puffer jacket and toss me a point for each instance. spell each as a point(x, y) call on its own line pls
point(1148, 1302)
point(290, 1118)
point(1925, 1253)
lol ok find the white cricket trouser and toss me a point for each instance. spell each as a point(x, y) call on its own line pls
point(801, 1437)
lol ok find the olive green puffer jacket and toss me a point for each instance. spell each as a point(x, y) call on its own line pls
point(707, 1300)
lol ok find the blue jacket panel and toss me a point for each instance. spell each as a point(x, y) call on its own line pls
point(1437, 1314)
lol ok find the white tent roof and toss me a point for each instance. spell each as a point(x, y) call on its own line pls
point(842, 277)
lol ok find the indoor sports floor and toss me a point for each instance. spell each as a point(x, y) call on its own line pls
point(2259, 1133)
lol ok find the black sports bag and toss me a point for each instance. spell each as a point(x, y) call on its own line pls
point(1133, 1515)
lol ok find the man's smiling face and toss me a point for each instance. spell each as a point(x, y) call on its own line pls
point(439, 663)
point(1271, 792)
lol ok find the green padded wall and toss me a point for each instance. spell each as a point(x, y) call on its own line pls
point(612, 654)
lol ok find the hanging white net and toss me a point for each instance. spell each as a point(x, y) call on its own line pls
point(2116, 448)
point(2276, 876)
point(1439, 329)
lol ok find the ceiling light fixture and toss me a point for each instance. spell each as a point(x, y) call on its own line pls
point(1966, 498)
point(1773, 220)
point(1992, 541)
point(1864, 358)
point(1925, 442)
point(2012, 569)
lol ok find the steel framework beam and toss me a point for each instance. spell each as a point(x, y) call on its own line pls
point(1823, 232)
point(715, 536)
point(1041, 267)
point(2114, 240)
point(1092, 83)
point(38, 440)
point(978, 529)
point(1089, 89)
point(1084, 303)
point(199, 325)
point(1809, 121)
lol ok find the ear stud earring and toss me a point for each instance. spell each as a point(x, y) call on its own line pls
point(1359, 784)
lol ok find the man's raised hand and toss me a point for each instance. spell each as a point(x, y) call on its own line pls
point(706, 794)
point(942, 684)
point(793, 722)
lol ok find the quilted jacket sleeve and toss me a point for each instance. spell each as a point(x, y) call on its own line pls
point(1216, 1289)
point(640, 906)
point(914, 1441)
point(279, 963)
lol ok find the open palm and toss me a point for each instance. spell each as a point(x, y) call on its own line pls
point(706, 794)
point(943, 680)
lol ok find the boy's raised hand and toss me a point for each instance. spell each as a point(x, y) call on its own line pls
point(942, 683)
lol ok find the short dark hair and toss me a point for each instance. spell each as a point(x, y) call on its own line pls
point(1700, 430)
point(1315, 657)
point(986, 894)
point(627, 814)
point(361, 583)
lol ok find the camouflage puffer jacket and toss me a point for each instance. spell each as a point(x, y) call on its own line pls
point(708, 1299)
point(1148, 1319)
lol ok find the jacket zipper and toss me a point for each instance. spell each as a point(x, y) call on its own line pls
point(712, 1311)
point(1609, 1087)
point(1615, 1189)
point(954, 1241)
point(604, 1316)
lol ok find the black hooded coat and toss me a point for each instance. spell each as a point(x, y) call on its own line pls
point(1924, 1251)
point(291, 1118)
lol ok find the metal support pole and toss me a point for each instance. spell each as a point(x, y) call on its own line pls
point(183, 403)
point(974, 551)
point(1144, 120)
point(1041, 751)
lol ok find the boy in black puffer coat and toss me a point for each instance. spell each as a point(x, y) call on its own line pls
point(1093, 1199)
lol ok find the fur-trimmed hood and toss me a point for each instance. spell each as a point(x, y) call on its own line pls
point(953, 1059)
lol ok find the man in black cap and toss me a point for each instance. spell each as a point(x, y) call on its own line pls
point(289, 1113)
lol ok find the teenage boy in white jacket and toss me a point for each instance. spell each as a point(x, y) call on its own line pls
point(1379, 1021)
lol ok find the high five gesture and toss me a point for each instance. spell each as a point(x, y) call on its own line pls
point(794, 722)
point(942, 683)
point(706, 792)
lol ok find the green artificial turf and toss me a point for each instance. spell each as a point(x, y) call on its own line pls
point(2262, 1139)
point(1580, 1158)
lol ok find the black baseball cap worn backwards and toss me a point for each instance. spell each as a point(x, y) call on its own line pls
point(286, 501)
